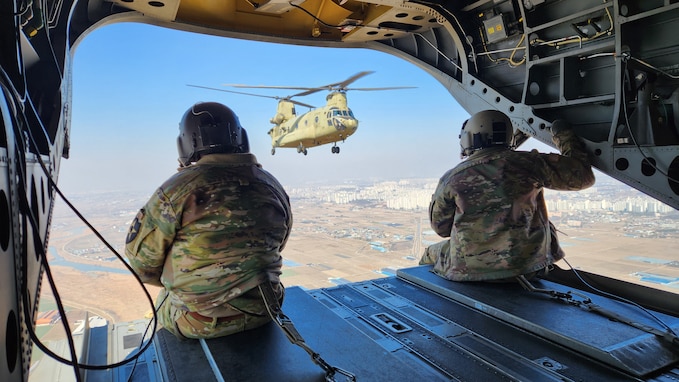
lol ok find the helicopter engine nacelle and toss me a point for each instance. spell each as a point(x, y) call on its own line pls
point(278, 119)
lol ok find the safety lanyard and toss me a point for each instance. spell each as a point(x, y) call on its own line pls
point(590, 306)
point(284, 322)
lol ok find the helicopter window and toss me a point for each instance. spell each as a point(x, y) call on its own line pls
point(351, 114)
point(344, 113)
point(316, 119)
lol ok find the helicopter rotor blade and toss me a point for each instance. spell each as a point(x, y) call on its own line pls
point(267, 87)
point(306, 91)
point(233, 91)
point(256, 95)
point(337, 86)
point(299, 103)
point(385, 88)
point(345, 83)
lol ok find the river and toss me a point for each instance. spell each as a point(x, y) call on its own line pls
point(83, 267)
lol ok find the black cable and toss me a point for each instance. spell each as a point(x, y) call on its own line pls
point(650, 162)
point(41, 251)
point(28, 214)
point(45, 28)
point(618, 298)
point(60, 308)
point(20, 151)
point(129, 378)
point(577, 274)
point(76, 365)
point(21, 12)
point(319, 20)
point(330, 25)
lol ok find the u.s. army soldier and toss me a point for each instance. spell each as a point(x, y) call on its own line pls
point(213, 231)
point(492, 205)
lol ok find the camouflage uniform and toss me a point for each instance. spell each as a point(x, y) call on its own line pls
point(209, 235)
point(493, 209)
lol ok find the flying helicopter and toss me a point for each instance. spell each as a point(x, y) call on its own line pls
point(331, 123)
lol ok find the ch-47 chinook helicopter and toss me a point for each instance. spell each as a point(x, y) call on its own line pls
point(331, 123)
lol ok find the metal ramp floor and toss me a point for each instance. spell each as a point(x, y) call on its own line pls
point(418, 326)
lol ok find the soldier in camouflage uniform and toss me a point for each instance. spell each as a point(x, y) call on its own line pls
point(212, 232)
point(492, 204)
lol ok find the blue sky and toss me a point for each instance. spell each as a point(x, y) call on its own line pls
point(129, 93)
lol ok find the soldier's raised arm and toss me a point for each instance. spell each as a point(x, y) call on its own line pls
point(572, 169)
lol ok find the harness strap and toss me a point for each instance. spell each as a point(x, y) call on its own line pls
point(273, 307)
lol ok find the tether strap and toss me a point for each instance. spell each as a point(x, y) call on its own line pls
point(284, 322)
point(592, 307)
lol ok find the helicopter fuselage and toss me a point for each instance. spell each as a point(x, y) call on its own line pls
point(331, 123)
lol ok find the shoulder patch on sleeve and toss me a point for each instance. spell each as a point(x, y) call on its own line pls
point(134, 227)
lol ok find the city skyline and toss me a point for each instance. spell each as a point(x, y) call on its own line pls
point(350, 211)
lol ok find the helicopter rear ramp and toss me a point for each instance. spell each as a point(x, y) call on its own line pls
point(418, 325)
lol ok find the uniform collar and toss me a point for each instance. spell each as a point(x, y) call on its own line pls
point(488, 151)
point(229, 159)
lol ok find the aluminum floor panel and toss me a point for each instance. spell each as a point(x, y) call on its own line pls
point(265, 354)
point(613, 343)
point(181, 361)
point(459, 353)
point(542, 352)
point(418, 326)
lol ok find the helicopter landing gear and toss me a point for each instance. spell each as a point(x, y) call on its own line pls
point(335, 149)
point(301, 149)
point(273, 150)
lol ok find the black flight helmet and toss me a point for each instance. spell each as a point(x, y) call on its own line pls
point(208, 128)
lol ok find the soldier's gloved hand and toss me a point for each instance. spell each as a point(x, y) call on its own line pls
point(559, 125)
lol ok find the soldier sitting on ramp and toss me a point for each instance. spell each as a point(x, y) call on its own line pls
point(492, 205)
point(213, 232)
